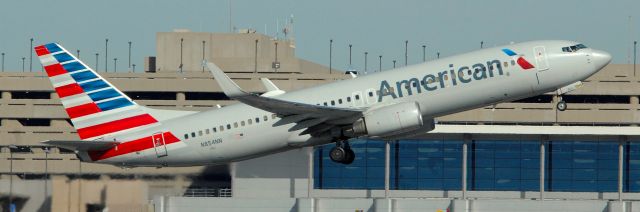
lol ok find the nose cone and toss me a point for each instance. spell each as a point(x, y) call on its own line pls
point(600, 59)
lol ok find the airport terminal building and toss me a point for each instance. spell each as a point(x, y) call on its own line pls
point(523, 155)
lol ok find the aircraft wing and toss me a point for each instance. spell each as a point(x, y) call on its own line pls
point(82, 145)
point(314, 117)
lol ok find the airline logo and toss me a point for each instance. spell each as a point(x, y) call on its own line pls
point(96, 108)
point(523, 63)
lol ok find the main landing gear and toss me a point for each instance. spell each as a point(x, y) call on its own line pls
point(342, 153)
point(562, 105)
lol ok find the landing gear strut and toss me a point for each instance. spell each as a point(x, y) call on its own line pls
point(562, 105)
point(342, 153)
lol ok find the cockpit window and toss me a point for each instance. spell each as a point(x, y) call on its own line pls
point(574, 48)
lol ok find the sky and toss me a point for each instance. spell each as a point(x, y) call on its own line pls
point(375, 26)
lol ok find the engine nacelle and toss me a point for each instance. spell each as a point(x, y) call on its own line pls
point(389, 120)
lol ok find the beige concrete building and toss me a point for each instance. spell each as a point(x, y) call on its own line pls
point(39, 178)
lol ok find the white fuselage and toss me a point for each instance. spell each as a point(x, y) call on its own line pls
point(440, 87)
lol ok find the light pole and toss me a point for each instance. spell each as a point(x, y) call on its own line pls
point(181, 42)
point(438, 55)
point(2, 61)
point(106, 55)
point(635, 43)
point(134, 67)
point(330, 48)
point(276, 64)
point(203, 42)
point(379, 63)
point(31, 56)
point(394, 63)
point(424, 53)
point(115, 64)
point(255, 58)
point(97, 54)
point(481, 44)
point(350, 55)
point(23, 64)
point(365, 62)
point(129, 54)
point(78, 53)
point(406, 53)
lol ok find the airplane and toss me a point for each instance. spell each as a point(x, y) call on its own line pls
point(389, 105)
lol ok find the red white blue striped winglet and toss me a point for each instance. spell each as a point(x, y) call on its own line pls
point(96, 108)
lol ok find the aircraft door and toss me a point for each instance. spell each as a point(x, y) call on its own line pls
point(542, 64)
point(357, 99)
point(159, 144)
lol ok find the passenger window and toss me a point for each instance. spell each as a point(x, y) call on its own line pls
point(370, 93)
point(348, 99)
point(207, 131)
point(235, 125)
point(339, 101)
point(193, 134)
point(228, 126)
point(242, 123)
point(357, 97)
point(333, 102)
point(257, 120)
point(186, 136)
point(214, 130)
point(506, 64)
point(200, 133)
point(513, 62)
point(265, 118)
point(325, 104)
point(273, 116)
point(221, 128)
point(249, 121)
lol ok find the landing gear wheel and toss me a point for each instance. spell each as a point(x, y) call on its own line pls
point(562, 105)
point(338, 154)
point(349, 157)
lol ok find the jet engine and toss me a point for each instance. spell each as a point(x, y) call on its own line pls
point(388, 120)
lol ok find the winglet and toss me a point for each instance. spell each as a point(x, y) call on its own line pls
point(230, 88)
point(272, 89)
point(269, 85)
